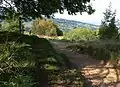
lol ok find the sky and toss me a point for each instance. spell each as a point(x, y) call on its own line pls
point(97, 16)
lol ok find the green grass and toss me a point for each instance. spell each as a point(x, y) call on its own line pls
point(100, 49)
point(79, 34)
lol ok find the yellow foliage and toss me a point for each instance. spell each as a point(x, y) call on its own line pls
point(45, 27)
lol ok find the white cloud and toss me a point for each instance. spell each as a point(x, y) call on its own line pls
point(99, 5)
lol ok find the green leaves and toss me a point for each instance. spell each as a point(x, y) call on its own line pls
point(82, 34)
point(101, 49)
point(36, 8)
point(18, 81)
point(108, 29)
point(11, 26)
point(45, 27)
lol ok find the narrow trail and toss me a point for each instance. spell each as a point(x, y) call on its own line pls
point(95, 71)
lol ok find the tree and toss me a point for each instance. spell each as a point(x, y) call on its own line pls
point(108, 28)
point(11, 26)
point(36, 8)
point(45, 27)
point(11, 21)
point(48, 7)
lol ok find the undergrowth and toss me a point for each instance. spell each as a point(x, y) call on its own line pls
point(23, 58)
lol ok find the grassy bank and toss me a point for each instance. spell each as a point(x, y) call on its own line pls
point(107, 50)
point(27, 61)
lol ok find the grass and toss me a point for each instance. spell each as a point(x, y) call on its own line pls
point(40, 48)
point(81, 34)
point(27, 61)
point(23, 54)
point(88, 41)
point(100, 49)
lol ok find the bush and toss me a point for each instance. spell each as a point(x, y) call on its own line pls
point(81, 34)
point(13, 56)
point(101, 49)
point(18, 80)
point(45, 27)
point(12, 26)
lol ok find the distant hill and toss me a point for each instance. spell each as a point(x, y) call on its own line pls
point(66, 25)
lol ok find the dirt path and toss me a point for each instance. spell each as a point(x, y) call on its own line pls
point(98, 74)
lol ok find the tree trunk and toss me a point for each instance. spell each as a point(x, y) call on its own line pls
point(20, 25)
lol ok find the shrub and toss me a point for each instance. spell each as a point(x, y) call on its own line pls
point(14, 58)
point(15, 55)
point(18, 80)
point(12, 26)
point(101, 49)
point(81, 34)
point(45, 27)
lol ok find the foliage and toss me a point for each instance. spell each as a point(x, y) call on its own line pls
point(11, 21)
point(108, 27)
point(27, 47)
point(23, 56)
point(45, 27)
point(0, 26)
point(101, 49)
point(36, 8)
point(82, 34)
point(12, 26)
point(18, 81)
point(30, 9)
point(13, 56)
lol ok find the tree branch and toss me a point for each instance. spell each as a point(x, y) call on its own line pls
point(7, 3)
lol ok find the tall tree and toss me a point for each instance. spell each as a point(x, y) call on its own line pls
point(108, 28)
point(47, 7)
point(36, 8)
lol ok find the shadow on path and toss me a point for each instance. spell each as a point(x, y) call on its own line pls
point(61, 48)
point(94, 72)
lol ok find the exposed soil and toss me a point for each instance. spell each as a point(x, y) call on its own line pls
point(98, 73)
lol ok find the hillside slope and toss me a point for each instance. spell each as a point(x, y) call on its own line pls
point(66, 25)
